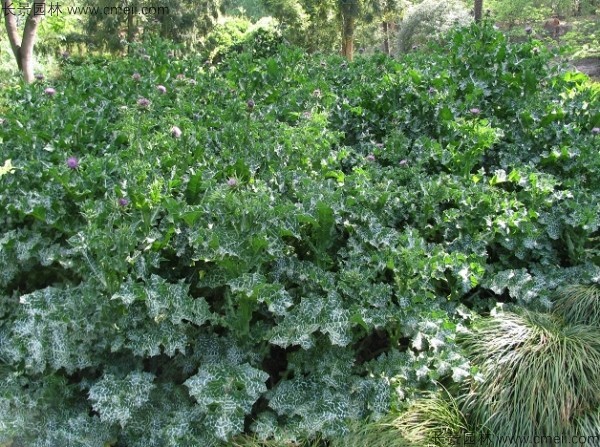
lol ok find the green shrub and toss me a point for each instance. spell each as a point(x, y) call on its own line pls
point(224, 36)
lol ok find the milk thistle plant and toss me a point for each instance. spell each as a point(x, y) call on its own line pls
point(290, 270)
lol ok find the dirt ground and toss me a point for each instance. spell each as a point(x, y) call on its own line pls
point(589, 66)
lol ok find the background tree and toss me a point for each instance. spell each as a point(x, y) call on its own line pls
point(349, 11)
point(179, 20)
point(323, 24)
point(478, 10)
point(22, 46)
point(430, 19)
point(388, 12)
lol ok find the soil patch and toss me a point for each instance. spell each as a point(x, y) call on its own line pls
point(590, 66)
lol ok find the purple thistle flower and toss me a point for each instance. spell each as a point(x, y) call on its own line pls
point(528, 29)
point(161, 88)
point(39, 76)
point(232, 181)
point(136, 76)
point(403, 162)
point(596, 131)
point(180, 77)
point(192, 81)
point(143, 102)
point(123, 201)
point(432, 91)
point(370, 157)
point(475, 111)
point(250, 104)
point(72, 163)
point(65, 55)
point(176, 132)
point(50, 91)
point(146, 57)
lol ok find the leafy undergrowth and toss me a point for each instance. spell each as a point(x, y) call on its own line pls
point(278, 246)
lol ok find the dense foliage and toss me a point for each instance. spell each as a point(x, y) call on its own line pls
point(279, 244)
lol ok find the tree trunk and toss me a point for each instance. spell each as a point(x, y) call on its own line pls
point(10, 21)
point(348, 37)
point(386, 37)
point(29, 34)
point(130, 31)
point(23, 48)
point(478, 10)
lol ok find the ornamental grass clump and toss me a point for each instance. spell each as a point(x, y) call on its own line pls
point(435, 419)
point(538, 374)
point(579, 304)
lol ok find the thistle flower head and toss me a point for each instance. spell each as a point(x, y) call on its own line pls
point(528, 29)
point(176, 132)
point(596, 131)
point(143, 102)
point(250, 104)
point(123, 201)
point(72, 163)
point(136, 76)
point(39, 76)
point(370, 157)
point(161, 89)
point(475, 111)
point(403, 162)
point(232, 181)
point(50, 91)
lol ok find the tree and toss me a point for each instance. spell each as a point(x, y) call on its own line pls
point(314, 19)
point(429, 20)
point(183, 21)
point(386, 13)
point(478, 10)
point(22, 46)
point(349, 11)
